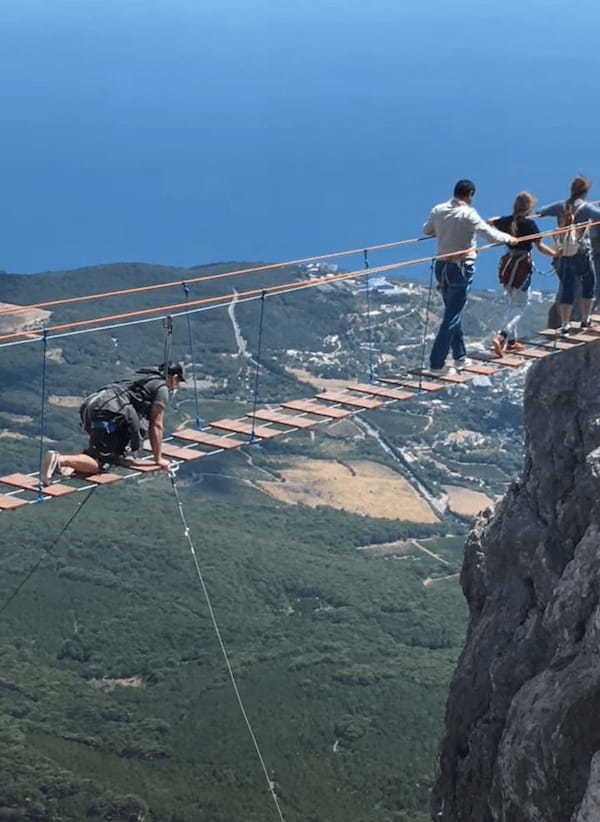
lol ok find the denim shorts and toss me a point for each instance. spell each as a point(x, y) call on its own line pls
point(570, 269)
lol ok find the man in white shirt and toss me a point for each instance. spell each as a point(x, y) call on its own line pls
point(456, 225)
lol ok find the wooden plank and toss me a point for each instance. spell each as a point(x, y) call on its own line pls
point(534, 353)
point(452, 378)
point(420, 385)
point(320, 410)
point(241, 427)
point(347, 399)
point(104, 478)
point(10, 503)
point(554, 334)
point(584, 336)
point(144, 467)
point(178, 453)
point(33, 484)
point(203, 438)
point(283, 419)
point(380, 391)
point(560, 345)
point(509, 360)
point(481, 370)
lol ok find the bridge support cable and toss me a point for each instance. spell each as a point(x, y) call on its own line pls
point(371, 370)
point(43, 408)
point(199, 421)
point(188, 536)
point(426, 322)
point(257, 361)
point(47, 551)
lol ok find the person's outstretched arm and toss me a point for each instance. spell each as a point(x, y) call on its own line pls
point(155, 433)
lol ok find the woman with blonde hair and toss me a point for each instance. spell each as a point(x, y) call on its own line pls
point(576, 253)
point(516, 267)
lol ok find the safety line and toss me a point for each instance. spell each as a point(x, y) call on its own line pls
point(47, 551)
point(291, 286)
point(207, 277)
point(215, 624)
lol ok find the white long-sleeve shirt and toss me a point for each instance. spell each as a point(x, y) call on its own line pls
point(456, 224)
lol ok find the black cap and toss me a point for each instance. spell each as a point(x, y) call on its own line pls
point(174, 369)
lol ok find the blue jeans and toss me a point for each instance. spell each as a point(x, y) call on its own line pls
point(454, 281)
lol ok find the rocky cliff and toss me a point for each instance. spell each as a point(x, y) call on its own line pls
point(523, 716)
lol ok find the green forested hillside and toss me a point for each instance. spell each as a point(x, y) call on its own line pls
point(114, 700)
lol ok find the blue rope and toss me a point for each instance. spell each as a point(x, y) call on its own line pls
point(369, 325)
point(200, 423)
point(258, 355)
point(426, 323)
point(43, 409)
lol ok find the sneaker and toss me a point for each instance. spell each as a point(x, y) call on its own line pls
point(49, 466)
point(65, 471)
point(586, 323)
point(440, 372)
point(565, 329)
point(462, 362)
point(514, 346)
point(499, 345)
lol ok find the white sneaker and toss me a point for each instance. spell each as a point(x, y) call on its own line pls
point(565, 328)
point(49, 466)
point(463, 362)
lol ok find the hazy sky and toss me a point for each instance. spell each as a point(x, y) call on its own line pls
point(190, 131)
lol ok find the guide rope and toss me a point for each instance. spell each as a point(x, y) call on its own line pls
point(48, 550)
point(215, 625)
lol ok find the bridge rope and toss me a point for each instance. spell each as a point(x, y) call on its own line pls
point(295, 285)
point(188, 537)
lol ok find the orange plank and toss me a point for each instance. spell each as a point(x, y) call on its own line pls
point(185, 454)
point(320, 410)
point(534, 353)
point(9, 503)
point(482, 370)
point(559, 344)
point(103, 479)
point(347, 399)
point(240, 427)
point(455, 378)
point(282, 419)
point(379, 391)
point(419, 385)
point(207, 439)
point(33, 484)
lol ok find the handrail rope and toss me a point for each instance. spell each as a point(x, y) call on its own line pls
point(199, 420)
point(207, 277)
point(257, 372)
point(43, 409)
point(236, 273)
point(47, 551)
point(371, 374)
point(168, 345)
point(290, 286)
point(217, 630)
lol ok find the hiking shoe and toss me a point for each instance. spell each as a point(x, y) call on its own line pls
point(462, 362)
point(499, 345)
point(49, 466)
point(514, 346)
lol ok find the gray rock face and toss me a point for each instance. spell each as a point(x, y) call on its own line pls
point(523, 716)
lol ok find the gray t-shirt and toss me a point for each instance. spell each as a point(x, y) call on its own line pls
point(584, 212)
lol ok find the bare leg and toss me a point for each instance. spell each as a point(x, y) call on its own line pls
point(586, 309)
point(565, 313)
point(80, 463)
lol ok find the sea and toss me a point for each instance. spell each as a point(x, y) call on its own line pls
point(187, 132)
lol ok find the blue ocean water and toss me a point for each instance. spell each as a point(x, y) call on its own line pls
point(191, 131)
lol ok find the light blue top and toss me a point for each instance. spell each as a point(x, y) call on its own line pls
point(584, 212)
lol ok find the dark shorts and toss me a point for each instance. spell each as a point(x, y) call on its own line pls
point(107, 448)
point(571, 269)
